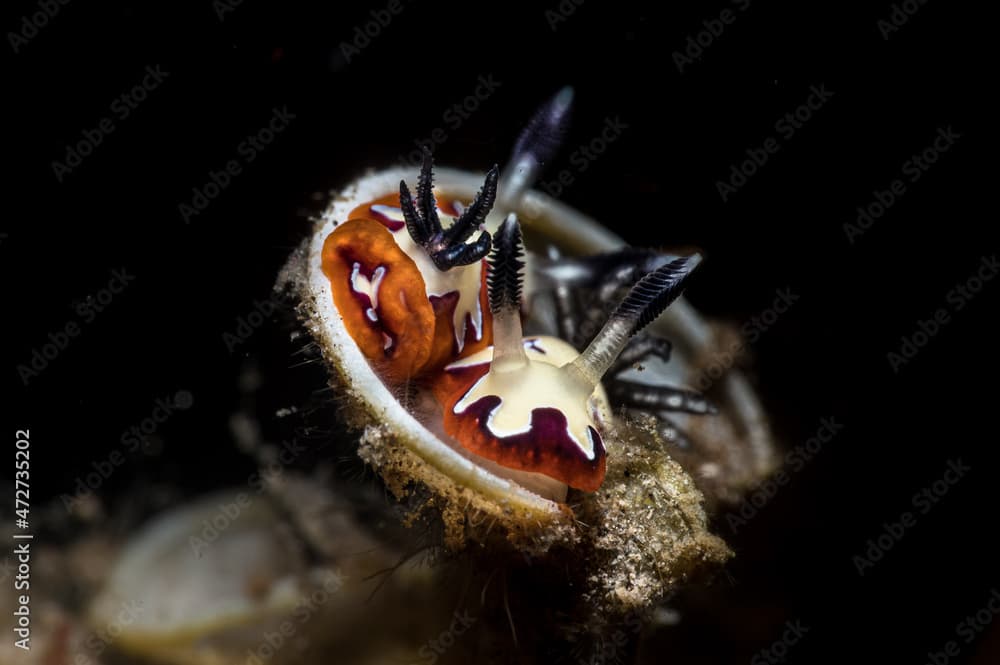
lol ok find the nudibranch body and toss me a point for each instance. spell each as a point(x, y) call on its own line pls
point(536, 405)
point(528, 418)
point(411, 293)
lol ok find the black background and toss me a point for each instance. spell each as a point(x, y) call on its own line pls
point(655, 185)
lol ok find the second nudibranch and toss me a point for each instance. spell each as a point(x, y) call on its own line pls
point(411, 293)
point(534, 405)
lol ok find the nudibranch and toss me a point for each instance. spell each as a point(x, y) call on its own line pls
point(410, 291)
point(428, 310)
point(534, 404)
point(468, 357)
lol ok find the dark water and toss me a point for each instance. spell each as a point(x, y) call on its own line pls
point(144, 309)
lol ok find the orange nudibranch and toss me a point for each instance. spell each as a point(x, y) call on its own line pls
point(379, 292)
point(407, 317)
point(535, 404)
point(532, 421)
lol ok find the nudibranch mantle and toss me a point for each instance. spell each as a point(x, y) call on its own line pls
point(409, 290)
point(530, 420)
point(465, 282)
